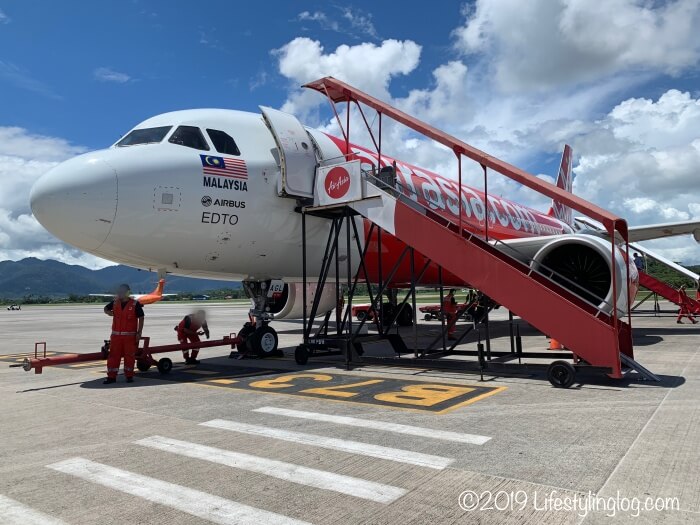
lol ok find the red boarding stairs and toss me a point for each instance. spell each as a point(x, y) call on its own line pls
point(600, 339)
point(669, 292)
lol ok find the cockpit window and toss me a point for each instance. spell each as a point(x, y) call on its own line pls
point(223, 142)
point(189, 136)
point(145, 136)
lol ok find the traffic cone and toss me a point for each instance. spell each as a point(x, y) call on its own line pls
point(555, 345)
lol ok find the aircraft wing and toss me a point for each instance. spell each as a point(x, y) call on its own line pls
point(649, 232)
point(668, 229)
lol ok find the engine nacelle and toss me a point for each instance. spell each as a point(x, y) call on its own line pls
point(583, 264)
point(290, 303)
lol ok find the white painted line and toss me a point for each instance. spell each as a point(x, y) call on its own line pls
point(191, 501)
point(15, 513)
point(286, 471)
point(353, 447)
point(446, 435)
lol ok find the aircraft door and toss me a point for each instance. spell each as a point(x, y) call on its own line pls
point(296, 153)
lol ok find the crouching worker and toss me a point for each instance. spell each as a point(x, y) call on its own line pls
point(127, 326)
point(189, 330)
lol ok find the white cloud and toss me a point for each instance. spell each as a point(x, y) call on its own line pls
point(353, 22)
point(24, 80)
point(24, 157)
point(651, 154)
point(640, 159)
point(437, 103)
point(106, 74)
point(4, 19)
point(545, 43)
point(360, 22)
point(368, 66)
point(259, 80)
point(321, 18)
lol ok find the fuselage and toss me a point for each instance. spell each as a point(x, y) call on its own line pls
point(160, 201)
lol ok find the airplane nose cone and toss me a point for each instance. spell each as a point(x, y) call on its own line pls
point(77, 201)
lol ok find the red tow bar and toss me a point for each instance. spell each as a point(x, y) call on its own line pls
point(144, 354)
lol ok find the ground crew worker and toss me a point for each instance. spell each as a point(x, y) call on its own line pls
point(449, 309)
point(189, 330)
point(685, 309)
point(639, 261)
point(127, 326)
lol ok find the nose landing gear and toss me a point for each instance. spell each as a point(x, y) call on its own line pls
point(258, 338)
point(257, 341)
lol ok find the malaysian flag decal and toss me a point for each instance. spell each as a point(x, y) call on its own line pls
point(224, 167)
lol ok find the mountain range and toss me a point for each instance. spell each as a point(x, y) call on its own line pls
point(36, 277)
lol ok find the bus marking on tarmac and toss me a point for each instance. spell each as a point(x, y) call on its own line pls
point(385, 392)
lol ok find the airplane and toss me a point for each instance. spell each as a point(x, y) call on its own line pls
point(144, 298)
point(214, 193)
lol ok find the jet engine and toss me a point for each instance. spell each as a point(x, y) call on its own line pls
point(289, 304)
point(581, 263)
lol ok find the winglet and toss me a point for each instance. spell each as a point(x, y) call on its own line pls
point(159, 289)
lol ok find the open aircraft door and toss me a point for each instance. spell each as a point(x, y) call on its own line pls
point(297, 158)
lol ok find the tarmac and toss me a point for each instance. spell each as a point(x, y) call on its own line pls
point(268, 441)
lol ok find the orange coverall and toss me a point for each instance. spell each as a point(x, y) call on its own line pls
point(449, 307)
point(123, 342)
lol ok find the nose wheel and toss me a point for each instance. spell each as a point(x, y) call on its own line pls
point(263, 342)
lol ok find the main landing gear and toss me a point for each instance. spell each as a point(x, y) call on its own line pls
point(258, 338)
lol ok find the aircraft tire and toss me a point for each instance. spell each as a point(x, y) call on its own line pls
point(387, 313)
point(263, 342)
point(244, 333)
point(405, 316)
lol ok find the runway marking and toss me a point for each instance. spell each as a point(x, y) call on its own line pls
point(285, 471)
point(88, 365)
point(191, 501)
point(446, 435)
point(343, 445)
point(15, 513)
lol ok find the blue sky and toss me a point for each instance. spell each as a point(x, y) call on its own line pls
point(617, 80)
point(176, 55)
